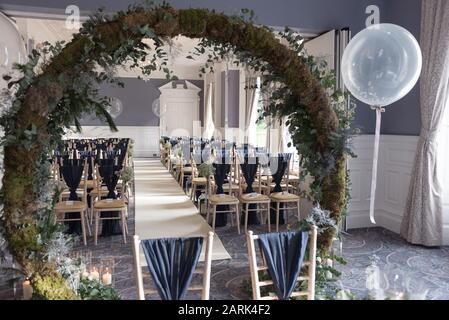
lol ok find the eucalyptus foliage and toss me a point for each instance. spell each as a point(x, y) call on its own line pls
point(59, 85)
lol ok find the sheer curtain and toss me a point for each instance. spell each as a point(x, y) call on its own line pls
point(252, 100)
point(423, 217)
point(443, 156)
point(209, 126)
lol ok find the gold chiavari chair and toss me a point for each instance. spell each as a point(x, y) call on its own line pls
point(198, 183)
point(255, 269)
point(108, 205)
point(63, 207)
point(215, 200)
point(257, 199)
point(284, 202)
point(205, 271)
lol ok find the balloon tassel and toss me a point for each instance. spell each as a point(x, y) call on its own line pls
point(379, 110)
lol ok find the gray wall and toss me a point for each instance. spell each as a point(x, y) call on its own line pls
point(402, 118)
point(233, 98)
point(137, 97)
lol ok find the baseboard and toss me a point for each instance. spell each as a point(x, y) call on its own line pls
point(360, 219)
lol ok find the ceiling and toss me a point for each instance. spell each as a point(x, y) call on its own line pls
point(41, 30)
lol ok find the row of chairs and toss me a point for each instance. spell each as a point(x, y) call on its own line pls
point(90, 212)
point(235, 200)
point(257, 263)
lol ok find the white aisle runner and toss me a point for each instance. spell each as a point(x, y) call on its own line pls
point(164, 211)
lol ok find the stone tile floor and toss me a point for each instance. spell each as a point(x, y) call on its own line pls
point(428, 266)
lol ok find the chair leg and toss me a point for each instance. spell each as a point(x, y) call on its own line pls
point(192, 191)
point(268, 217)
point(277, 216)
point(214, 215)
point(86, 221)
point(246, 216)
point(237, 217)
point(126, 221)
point(96, 218)
point(83, 227)
point(122, 214)
point(207, 212)
point(299, 212)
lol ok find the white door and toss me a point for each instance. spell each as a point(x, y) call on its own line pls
point(179, 117)
point(330, 47)
point(179, 110)
point(323, 48)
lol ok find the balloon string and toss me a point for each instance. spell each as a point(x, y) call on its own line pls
point(379, 111)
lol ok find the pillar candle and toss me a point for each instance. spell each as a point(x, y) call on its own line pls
point(107, 278)
point(94, 275)
point(27, 290)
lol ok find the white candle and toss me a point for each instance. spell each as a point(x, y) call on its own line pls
point(94, 275)
point(27, 290)
point(85, 275)
point(107, 278)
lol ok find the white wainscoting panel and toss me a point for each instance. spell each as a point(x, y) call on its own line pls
point(146, 139)
point(396, 156)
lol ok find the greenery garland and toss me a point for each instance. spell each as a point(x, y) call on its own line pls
point(59, 86)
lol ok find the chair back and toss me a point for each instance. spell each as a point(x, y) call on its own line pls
point(242, 179)
point(310, 264)
point(205, 270)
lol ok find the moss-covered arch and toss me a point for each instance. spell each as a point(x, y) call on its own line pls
point(21, 163)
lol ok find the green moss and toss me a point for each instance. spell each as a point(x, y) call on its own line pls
point(52, 287)
point(108, 37)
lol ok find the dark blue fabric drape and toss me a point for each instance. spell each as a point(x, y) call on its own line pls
point(221, 171)
point(284, 253)
point(280, 165)
point(72, 174)
point(171, 263)
point(249, 170)
point(110, 176)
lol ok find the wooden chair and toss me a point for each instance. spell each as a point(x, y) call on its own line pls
point(215, 200)
point(63, 207)
point(184, 171)
point(261, 201)
point(289, 201)
point(198, 183)
point(206, 270)
point(108, 205)
point(98, 191)
point(232, 187)
point(310, 264)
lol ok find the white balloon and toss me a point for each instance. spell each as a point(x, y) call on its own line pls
point(12, 48)
point(381, 64)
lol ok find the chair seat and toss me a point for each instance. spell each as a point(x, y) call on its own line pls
point(66, 193)
point(233, 187)
point(223, 199)
point(69, 206)
point(284, 196)
point(110, 204)
point(102, 191)
point(199, 180)
point(90, 184)
point(254, 197)
point(293, 180)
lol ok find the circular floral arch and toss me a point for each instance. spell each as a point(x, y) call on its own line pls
point(37, 116)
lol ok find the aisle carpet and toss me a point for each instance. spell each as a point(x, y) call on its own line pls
point(164, 211)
